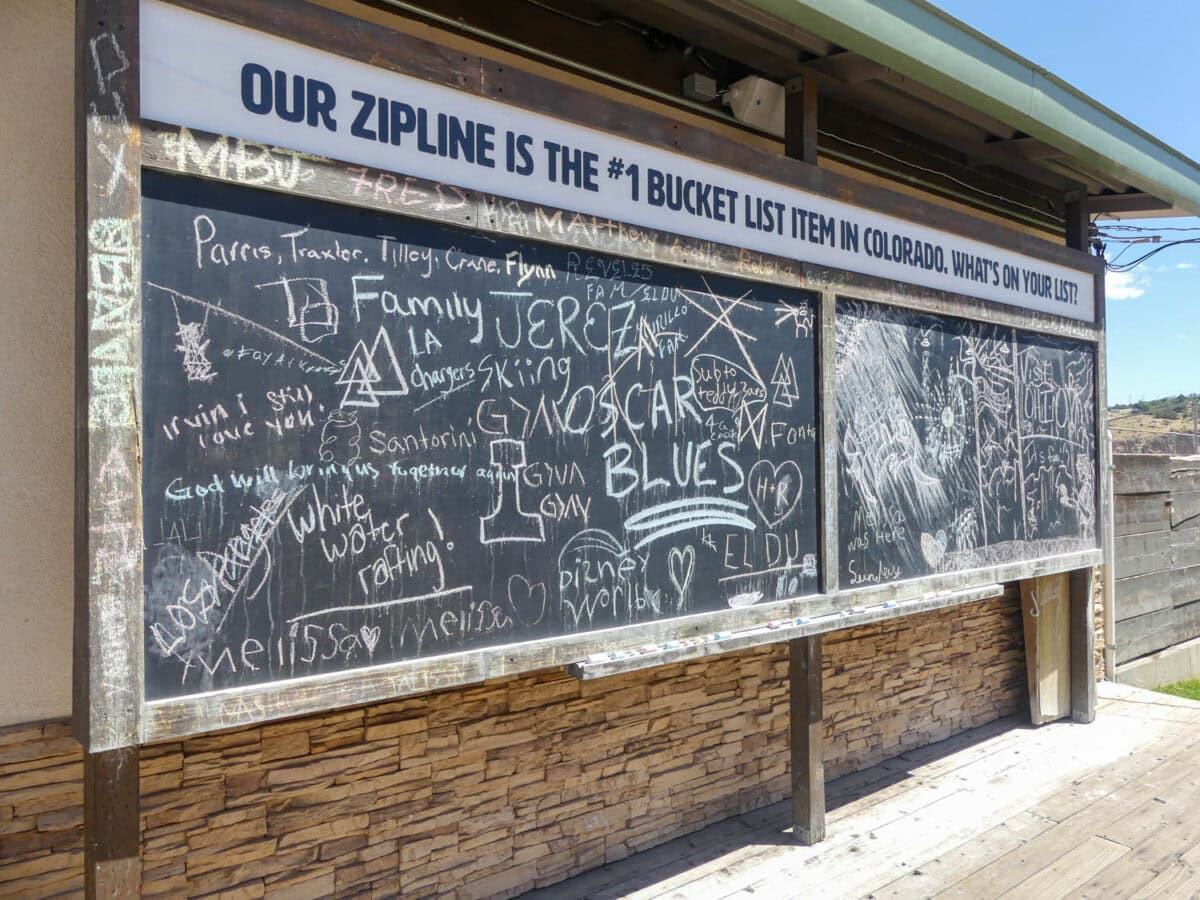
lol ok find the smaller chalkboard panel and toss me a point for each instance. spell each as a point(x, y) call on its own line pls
point(371, 438)
point(960, 444)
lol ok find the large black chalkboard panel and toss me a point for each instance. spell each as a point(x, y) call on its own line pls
point(960, 444)
point(371, 438)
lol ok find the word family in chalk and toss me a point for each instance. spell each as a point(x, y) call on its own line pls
point(960, 444)
point(371, 438)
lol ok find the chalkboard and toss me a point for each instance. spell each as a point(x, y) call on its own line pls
point(370, 438)
point(960, 444)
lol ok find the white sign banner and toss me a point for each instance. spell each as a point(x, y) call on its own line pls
point(204, 73)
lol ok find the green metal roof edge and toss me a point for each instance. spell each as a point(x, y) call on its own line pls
point(919, 41)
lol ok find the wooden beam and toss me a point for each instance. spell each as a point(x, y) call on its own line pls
point(745, 17)
point(1021, 147)
point(1083, 648)
point(889, 122)
point(845, 66)
point(112, 864)
point(1077, 220)
point(808, 737)
point(1156, 631)
point(800, 120)
point(985, 124)
point(1076, 169)
point(1130, 201)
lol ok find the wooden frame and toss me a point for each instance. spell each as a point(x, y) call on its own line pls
point(108, 685)
point(108, 664)
point(778, 632)
point(110, 709)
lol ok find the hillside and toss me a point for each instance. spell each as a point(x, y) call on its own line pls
point(1164, 425)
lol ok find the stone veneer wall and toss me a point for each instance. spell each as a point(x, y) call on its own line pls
point(41, 810)
point(494, 788)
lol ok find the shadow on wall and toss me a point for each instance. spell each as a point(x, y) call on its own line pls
point(37, 229)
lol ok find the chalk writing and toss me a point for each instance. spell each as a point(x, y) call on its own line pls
point(371, 438)
point(961, 444)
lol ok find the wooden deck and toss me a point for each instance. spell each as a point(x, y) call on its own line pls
point(1107, 810)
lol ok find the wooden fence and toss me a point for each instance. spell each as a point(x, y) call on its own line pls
point(1157, 552)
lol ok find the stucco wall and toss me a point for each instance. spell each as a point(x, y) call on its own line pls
point(37, 282)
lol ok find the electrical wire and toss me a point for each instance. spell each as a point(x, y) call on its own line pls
point(1128, 236)
point(1113, 261)
point(1113, 266)
point(1142, 228)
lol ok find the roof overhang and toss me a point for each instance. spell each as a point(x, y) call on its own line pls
point(926, 45)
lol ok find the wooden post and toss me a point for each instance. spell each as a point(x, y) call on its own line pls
point(1083, 648)
point(804, 661)
point(800, 120)
point(111, 834)
point(108, 544)
point(1077, 220)
point(808, 736)
point(108, 526)
point(1046, 618)
point(1060, 644)
point(1104, 490)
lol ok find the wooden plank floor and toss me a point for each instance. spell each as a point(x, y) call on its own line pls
point(1107, 810)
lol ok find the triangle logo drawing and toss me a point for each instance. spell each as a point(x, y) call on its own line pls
point(368, 376)
point(784, 380)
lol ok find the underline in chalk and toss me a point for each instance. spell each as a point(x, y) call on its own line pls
point(386, 603)
point(786, 568)
point(443, 395)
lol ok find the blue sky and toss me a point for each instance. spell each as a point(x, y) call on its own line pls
point(1139, 61)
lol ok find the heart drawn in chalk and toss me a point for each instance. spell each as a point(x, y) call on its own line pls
point(933, 547)
point(528, 601)
point(775, 489)
point(681, 564)
point(370, 637)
